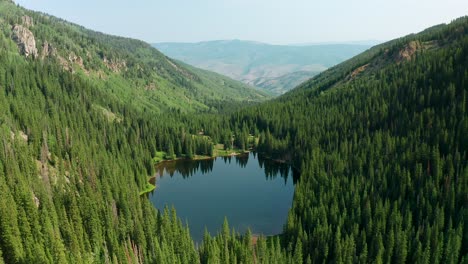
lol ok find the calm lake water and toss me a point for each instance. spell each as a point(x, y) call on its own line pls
point(249, 191)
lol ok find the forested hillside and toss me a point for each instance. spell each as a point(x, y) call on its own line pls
point(128, 69)
point(380, 141)
point(76, 148)
point(382, 144)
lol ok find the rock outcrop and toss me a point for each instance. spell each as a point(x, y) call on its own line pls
point(47, 50)
point(24, 38)
point(73, 58)
point(68, 63)
point(36, 200)
point(408, 51)
point(115, 65)
point(356, 72)
point(27, 21)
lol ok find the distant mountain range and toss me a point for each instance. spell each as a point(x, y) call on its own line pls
point(274, 68)
point(370, 42)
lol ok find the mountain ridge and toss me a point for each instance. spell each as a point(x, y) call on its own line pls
point(260, 64)
point(139, 72)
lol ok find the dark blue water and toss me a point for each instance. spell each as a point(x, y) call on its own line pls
point(249, 191)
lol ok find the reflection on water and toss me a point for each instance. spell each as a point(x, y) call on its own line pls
point(188, 168)
point(252, 192)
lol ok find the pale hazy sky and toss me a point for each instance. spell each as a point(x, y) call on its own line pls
point(270, 21)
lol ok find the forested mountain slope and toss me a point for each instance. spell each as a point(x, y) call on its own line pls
point(77, 138)
point(382, 144)
point(128, 69)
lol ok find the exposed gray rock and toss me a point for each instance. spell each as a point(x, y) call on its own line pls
point(407, 53)
point(47, 50)
point(24, 38)
point(36, 200)
point(73, 58)
point(27, 21)
point(115, 65)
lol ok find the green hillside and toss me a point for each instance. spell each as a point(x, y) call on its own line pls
point(260, 64)
point(79, 137)
point(381, 141)
point(127, 69)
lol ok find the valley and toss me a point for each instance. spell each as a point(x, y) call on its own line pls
point(275, 69)
point(87, 118)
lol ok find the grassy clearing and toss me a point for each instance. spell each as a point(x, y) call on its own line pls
point(162, 156)
point(159, 156)
point(148, 188)
point(218, 151)
point(228, 152)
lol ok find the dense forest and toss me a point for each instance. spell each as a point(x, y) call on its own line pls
point(381, 142)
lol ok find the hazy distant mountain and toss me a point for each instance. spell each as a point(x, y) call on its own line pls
point(370, 42)
point(263, 65)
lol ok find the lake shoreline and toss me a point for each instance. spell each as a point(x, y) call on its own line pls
point(205, 157)
point(152, 179)
point(207, 191)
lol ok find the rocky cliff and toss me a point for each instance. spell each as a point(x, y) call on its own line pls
point(25, 40)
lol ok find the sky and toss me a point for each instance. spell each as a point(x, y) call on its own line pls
point(269, 21)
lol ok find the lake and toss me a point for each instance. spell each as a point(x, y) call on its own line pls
point(248, 190)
